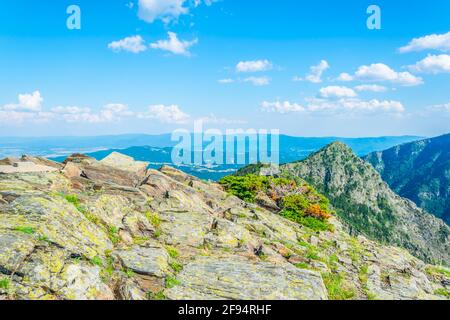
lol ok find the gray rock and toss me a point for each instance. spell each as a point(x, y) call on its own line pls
point(240, 278)
point(152, 261)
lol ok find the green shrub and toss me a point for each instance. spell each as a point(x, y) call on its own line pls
point(245, 187)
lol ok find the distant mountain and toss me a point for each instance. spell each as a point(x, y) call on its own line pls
point(292, 148)
point(419, 171)
point(157, 149)
point(367, 205)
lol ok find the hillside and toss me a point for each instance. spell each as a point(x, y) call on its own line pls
point(112, 229)
point(367, 205)
point(419, 171)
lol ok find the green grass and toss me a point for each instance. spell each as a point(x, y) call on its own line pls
point(173, 252)
point(172, 282)
point(97, 261)
point(302, 265)
point(153, 218)
point(432, 270)
point(156, 296)
point(140, 240)
point(176, 266)
point(336, 287)
point(26, 230)
point(442, 292)
point(108, 270)
point(73, 199)
point(44, 238)
point(4, 284)
point(129, 273)
point(113, 234)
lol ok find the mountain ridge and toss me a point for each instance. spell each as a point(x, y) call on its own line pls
point(367, 205)
point(419, 171)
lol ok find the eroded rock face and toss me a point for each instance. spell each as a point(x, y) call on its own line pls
point(112, 230)
point(151, 261)
point(239, 278)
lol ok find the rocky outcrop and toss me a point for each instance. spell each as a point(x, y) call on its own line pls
point(109, 230)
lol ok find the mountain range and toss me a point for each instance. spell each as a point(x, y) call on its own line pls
point(419, 171)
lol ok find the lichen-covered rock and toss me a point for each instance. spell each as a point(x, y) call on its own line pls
point(238, 278)
point(57, 220)
point(83, 282)
point(151, 261)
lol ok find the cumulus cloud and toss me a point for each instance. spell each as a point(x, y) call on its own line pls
point(379, 72)
point(337, 92)
point(27, 101)
point(433, 64)
point(27, 109)
point(167, 10)
point(134, 44)
point(254, 66)
point(315, 75)
point(258, 81)
point(281, 107)
point(166, 114)
point(174, 45)
point(371, 88)
point(108, 113)
point(439, 42)
point(340, 106)
point(345, 77)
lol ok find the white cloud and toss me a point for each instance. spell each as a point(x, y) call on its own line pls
point(379, 72)
point(165, 114)
point(315, 75)
point(174, 45)
point(371, 88)
point(13, 117)
point(281, 107)
point(345, 77)
point(440, 108)
point(258, 81)
point(109, 113)
point(254, 66)
point(337, 92)
point(433, 64)
point(434, 41)
point(225, 81)
point(27, 101)
point(134, 44)
point(167, 10)
point(317, 71)
point(331, 107)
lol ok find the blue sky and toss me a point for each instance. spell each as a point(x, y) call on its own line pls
point(234, 64)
